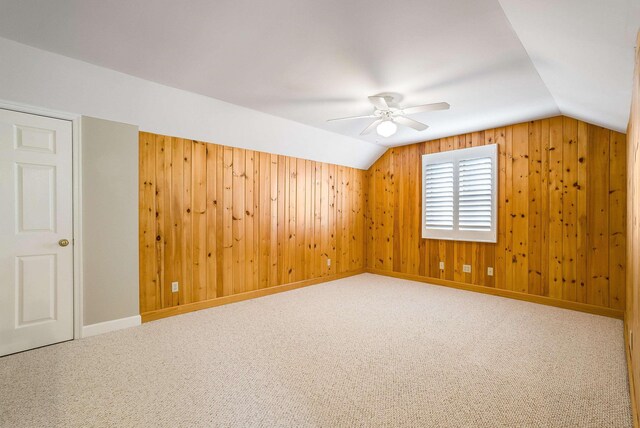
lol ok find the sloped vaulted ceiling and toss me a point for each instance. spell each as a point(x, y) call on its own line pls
point(583, 51)
point(495, 61)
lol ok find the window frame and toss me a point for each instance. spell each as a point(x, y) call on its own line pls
point(455, 156)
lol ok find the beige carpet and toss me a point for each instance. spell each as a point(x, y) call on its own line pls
point(362, 351)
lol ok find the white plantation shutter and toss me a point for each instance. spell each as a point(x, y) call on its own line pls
point(439, 196)
point(459, 194)
point(475, 194)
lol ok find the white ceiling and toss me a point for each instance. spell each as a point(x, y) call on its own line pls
point(584, 53)
point(310, 60)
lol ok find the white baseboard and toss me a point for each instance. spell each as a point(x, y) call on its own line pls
point(107, 326)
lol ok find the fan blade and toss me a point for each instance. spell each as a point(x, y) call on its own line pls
point(379, 102)
point(351, 117)
point(403, 120)
point(371, 127)
point(426, 107)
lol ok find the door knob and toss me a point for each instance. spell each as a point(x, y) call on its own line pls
point(63, 242)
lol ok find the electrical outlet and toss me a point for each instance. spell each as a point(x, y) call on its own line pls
point(328, 262)
point(441, 265)
point(174, 287)
point(490, 271)
point(466, 268)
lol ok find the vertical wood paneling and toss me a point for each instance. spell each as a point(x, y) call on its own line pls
point(220, 212)
point(311, 262)
point(340, 219)
point(255, 216)
point(534, 194)
point(325, 221)
point(501, 246)
point(520, 212)
point(250, 227)
point(560, 223)
point(632, 235)
point(555, 208)
point(425, 248)
point(510, 256)
point(543, 199)
point(489, 253)
point(147, 228)
point(293, 220)
point(264, 213)
point(162, 195)
point(275, 211)
point(186, 289)
point(582, 198)
point(617, 219)
point(199, 216)
point(170, 244)
point(569, 207)
point(598, 217)
point(300, 195)
point(335, 217)
point(211, 223)
point(177, 204)
point(227, 222)
point(399, 246)
point(221, 220)
point(238, 211)
point(283, 190)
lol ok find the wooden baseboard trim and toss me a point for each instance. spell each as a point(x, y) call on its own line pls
point(632, 389)
point(211, 303)
point(582, 307)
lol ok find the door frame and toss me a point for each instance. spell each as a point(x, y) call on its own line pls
point(76, 173)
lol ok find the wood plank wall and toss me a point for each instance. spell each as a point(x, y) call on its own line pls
point(223, 221)
point(632, 315)
point(561, 215)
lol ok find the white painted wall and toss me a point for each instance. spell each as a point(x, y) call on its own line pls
point(109, 220)
point(43, 79)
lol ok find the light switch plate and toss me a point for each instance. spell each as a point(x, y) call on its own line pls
point(441, 265)
point(328, 262)
point(466, 268)
point(490, 271)
point(174, 287)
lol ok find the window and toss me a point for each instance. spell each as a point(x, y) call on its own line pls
point(459, 194)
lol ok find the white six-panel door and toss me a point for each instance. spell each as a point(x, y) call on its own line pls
point(36, 262)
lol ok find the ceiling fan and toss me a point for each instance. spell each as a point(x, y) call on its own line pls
point(389, 115)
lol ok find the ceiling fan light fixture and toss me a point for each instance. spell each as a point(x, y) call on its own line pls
point(389, 116)
point(386, 128)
